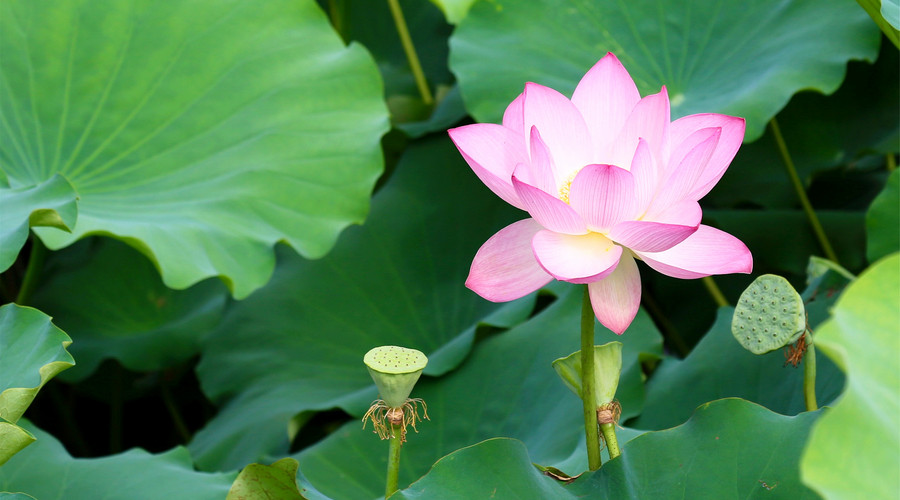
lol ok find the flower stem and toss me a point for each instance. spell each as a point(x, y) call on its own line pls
point(33, 272)
point(393, 468)
point(801, 193)
point(714, 291)
point(891, 162)
point(177, 420)
point(609, 435)
point(410, 50)
point(809, 376)
point(588, 391)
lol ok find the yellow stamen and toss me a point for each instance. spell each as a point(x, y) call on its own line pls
point(567, 186)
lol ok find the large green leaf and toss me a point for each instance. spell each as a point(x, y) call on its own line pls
point(886, 14)
point(496, 468)
point(455, 10)
point(32, 351)
point(50, 203)
point(728, 449)
point(507, 388)
point(782, 240)
point(45, 470)
point(13, 439)
point(743, 59)
point(719, 367)
point(883, 221)
point(371, 24)
point(848, 131)
point(201, 132)
point(852, 451)
point(122, 309)
point(267, 482)
point(298, 344)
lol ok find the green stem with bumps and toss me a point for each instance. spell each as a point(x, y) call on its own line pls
point(588, 391)
point(609, 435)
point(393, 468)
point(809, 376)
point(801, 193)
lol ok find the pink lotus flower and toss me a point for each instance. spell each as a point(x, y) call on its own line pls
point(607, 178)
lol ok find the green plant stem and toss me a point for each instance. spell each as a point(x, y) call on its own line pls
point(714, 291)
point(609, 435)
point(809, 376)
point(33, 271)
point(393, 468)
point(588, 391)
point(410, 51)
point(801, 193)
point(115, 410)
point(172, 408)
point(891, 162)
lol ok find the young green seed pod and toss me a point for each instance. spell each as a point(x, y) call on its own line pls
point(769, 315)
point(395, 371)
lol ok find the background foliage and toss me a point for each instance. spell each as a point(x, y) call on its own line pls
point(162, 151)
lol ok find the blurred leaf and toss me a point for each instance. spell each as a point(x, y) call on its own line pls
point(506, 388)
point(263, 482)
point(742, 59)
point(728, 449)
point(122, 309)
point(32, 351)
point(455, 10)
point(200, 162)
point(890, 10)
point(45, 470)
point(371, 24)
point(448, 112)
point(298, 344)
point(782, 240)
point(719, 367)
point(13, 439)
point(844, 131)
point(886, 14)
point(51, 203)
point(14, 496)
point(863, 337)
point(883, 221)
point(825, 282)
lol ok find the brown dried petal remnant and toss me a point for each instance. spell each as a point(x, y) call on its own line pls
point(384, 416)
point(793, 354)
point(609, 413)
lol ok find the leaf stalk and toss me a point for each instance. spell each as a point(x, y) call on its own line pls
point(801, 192)
point(410, 51)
